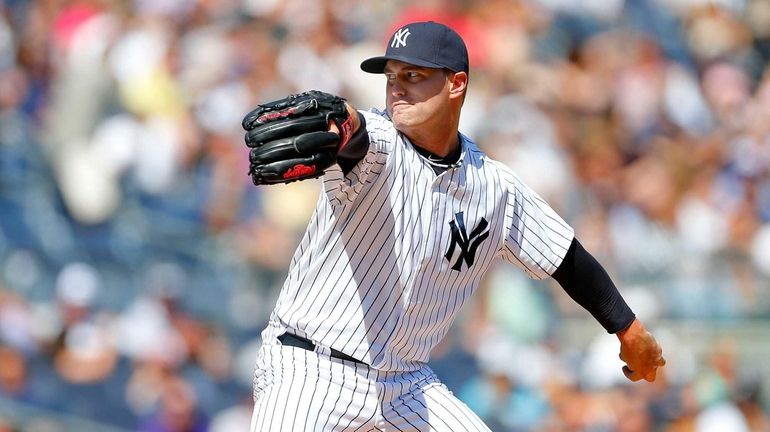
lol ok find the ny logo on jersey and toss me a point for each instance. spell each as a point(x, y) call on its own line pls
point(399, 38)
point(468, 245)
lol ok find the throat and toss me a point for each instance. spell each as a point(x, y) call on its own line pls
point(440, 163)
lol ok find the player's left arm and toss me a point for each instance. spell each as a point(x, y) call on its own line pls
point(587, 282)
point(357, 145)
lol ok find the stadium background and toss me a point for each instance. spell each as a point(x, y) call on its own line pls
point(138, 264)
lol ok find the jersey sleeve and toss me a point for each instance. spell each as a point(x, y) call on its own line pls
point(538, 238)
point(343, 187)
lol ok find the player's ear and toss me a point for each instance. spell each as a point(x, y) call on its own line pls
point(458, 82)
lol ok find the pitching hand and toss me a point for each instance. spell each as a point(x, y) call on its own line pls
point(641, 353)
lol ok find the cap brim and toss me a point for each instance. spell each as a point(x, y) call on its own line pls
point(376, 65)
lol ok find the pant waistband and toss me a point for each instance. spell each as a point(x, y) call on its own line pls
point(289, 339)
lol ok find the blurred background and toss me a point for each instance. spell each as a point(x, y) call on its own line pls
point(138, 264)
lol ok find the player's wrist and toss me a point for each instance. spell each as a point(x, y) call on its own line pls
point(635, 327)
point(348, 127)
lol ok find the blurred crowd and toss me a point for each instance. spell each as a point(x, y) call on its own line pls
point(138, 264)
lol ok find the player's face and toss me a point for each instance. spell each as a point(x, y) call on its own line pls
point(415, 95)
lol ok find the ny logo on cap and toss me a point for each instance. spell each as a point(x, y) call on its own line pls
point(399, 38)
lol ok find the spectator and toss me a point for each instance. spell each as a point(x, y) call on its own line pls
point(137, 262)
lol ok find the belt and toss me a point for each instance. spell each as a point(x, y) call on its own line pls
point(289, 339)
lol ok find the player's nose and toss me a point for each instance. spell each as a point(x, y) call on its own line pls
point(396, 89)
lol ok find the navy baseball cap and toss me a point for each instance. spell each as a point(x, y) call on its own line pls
point(428, 44)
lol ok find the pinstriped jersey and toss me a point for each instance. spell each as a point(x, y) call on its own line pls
point(393, 249)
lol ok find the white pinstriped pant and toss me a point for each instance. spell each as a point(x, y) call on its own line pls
point(300, 390)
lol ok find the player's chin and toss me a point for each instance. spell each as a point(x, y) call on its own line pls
point(403, 128)
point(401, 121)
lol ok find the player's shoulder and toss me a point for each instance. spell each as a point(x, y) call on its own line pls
point(482, 160)
point(490, 166)
point(382, 134)
point(377, 120)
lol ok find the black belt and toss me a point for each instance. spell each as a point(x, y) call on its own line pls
point(289, 339)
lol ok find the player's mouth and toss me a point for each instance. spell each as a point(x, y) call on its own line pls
point(399, 106)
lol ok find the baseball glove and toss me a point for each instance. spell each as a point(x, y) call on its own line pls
point(290, 140)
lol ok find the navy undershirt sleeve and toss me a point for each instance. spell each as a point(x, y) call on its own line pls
point(355, 149)
point(586, 281)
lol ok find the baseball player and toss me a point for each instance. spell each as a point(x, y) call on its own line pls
point(411, 215)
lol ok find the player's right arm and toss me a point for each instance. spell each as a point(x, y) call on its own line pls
point(586, 281)
point(543, 244)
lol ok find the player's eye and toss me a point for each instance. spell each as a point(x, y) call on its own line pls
point(410, 76)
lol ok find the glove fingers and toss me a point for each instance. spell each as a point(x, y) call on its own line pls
point(314, 141)
point(292, 106)
point(291, 147)
point(273, 151)
point(288, 128)
point(284, 171)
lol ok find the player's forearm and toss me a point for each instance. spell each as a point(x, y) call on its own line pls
point(586, 282)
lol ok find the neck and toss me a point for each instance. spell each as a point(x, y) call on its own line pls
point(440, 138)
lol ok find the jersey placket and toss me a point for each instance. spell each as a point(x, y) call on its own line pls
point(441, 202)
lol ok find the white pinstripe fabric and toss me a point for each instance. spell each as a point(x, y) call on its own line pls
point(298, 390)
point(370, 277)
